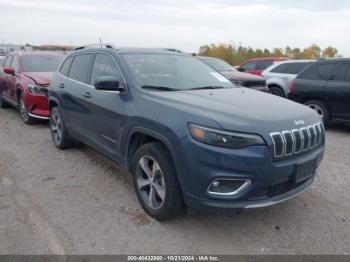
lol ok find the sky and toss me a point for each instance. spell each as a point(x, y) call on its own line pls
point(181, 24)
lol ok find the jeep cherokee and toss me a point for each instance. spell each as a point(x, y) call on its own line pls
point(188, 135)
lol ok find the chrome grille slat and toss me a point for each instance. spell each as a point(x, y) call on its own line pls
point(289, 142)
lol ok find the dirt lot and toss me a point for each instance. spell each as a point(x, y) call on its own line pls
point(79, 202)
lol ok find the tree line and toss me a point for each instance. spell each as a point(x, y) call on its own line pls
point(236, 55)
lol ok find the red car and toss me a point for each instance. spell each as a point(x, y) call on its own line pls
point(24, 81)
point(257, 65)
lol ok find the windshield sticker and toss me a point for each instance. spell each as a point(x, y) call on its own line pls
point(220, 77)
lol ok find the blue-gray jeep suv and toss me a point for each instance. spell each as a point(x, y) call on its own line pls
point(188, 135)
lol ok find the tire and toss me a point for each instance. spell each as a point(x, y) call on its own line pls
point(59, 133)
point(153, 171)
point(3, 104)
point(321, 108)
point(23, 111)
point(277, 91)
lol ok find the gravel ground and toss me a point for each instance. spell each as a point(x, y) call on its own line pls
point(79, 202)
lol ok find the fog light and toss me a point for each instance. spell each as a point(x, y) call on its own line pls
point(228, 187)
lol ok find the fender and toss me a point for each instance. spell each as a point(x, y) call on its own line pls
point(158, 136)
point(55, 100)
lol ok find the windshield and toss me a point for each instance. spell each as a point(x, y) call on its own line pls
point(217, 64)
point(40, 63)
point(174, 72)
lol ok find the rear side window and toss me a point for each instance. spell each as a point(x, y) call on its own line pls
point(347, 76)
point(326, 70)
point(66, 65)
point(310, 73)
point(296, 68)
point(80, 67)
point(250, 65)
point(282, 69)
point(104, 65)
point(340, 73)
point(262, 65)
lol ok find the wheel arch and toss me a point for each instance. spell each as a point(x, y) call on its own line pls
point(139, 136)
point(323, 100)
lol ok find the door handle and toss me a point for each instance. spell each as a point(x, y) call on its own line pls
point(87, 95)
point(61, 85)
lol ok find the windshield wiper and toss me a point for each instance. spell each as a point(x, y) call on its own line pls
point(160, 88)
point(206, 87)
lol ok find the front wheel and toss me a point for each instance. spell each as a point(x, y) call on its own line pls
point(277, 91)
point(24, 112)
point(155, 182)
point(321, 109)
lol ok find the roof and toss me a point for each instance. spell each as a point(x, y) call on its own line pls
point(131, 50)
point(25, 53)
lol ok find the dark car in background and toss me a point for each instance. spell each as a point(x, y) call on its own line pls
point(280, 75)
point(187, 134)
point(243, 79)
point(324, 86)
point(24, 82)
point(257, 65)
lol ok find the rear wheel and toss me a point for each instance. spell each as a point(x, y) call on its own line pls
point(320, 108)
point(3, 104)
point(155, 182)
point(277, 91)
point(24, 112)
point(58, 129)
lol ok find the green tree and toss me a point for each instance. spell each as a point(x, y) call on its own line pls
point(329, 52)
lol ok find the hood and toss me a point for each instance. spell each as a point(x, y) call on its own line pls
point(241, 109)
point(239, 76)
point(40, 78)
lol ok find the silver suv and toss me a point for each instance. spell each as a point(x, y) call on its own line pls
point(280, 75)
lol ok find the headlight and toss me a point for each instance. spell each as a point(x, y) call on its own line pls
point(38, 90)
point(221, 138)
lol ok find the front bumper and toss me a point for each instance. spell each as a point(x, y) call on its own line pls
point(272, 181)
point(38, 106)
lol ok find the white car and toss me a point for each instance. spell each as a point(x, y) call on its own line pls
point(280, 75)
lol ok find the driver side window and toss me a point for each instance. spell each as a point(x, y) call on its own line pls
point(104, 65)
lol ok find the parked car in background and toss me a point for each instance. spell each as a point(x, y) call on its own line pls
point(257, 65)
point(189, 136)
point(324, 86)
point(280, 75)
point(243, 79)
point(24, 82)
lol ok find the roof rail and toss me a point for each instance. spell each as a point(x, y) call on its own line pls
point(173, 50)
point(99, 45)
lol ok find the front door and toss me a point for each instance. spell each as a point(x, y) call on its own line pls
point(338, 92)
point(107, 108)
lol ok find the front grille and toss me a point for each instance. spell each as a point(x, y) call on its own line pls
point(290, 142)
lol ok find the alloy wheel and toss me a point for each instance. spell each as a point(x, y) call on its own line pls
point(23, 110)
point(150, 182)
point(317, 108)
point(56, 128)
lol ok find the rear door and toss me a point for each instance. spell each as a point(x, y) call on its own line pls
point(338, 92)
point(77, 93)
point(5, 78)
point(12, 80)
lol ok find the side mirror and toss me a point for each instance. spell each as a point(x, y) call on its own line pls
point(9, 71)
point(108, 83)
point(241, 69)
